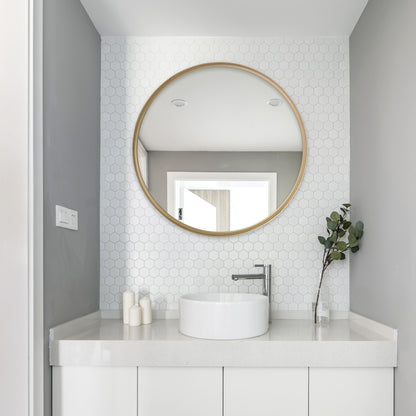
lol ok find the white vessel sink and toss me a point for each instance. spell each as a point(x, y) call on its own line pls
point(223, 315)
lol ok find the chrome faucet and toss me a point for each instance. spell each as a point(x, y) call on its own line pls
point(266, 276)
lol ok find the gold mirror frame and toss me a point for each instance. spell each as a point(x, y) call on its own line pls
point(136, 140)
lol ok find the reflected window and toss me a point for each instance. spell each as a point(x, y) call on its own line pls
point(213, 201)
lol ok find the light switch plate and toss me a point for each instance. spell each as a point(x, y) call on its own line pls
point(66, 218)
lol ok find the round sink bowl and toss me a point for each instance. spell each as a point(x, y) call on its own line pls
point(223, 315)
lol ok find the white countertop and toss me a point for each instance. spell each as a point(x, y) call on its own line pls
point(95, 341)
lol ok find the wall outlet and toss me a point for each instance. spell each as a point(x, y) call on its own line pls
point(66, 218)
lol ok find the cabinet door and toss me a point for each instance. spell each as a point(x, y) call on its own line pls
point(266, 391)
point(351, 391)
point(94, 391)
point(184, 391)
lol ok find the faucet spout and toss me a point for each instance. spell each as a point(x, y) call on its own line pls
point(236, 277)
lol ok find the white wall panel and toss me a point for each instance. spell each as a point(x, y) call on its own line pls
point(14, 209)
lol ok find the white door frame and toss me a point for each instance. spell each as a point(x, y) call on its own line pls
point(21, 238)
point(36, 327)
point(173, 177)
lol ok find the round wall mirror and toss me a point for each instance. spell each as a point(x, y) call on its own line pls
point(219, 149)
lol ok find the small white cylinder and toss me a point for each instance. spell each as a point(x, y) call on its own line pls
point(146, 305)
point(135, 315)
point(128, 302)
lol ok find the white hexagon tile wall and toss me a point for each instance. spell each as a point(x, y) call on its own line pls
point(142, 250)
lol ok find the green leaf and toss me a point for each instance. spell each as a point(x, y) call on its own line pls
point(342, 256)
point(328, 243)
point(334, 216)
point(359, 226)
point(332, 225)
point(344, 210)
point(321, 239)
point(355, 249)
point(346, 225)
point(341, 245)
point(352, 238)
point(346, 205)
point(353, 244)
point(352, 230)
point(341, 234)
point(336, 255)
point(334, 237)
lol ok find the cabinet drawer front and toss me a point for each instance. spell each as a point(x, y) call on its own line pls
point(174, 391)
point(94, 391)
point(266, 391)
point(351, 391)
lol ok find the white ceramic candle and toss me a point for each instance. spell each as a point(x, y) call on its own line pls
point(135, 315)
point(128, 302)
point(146, 305)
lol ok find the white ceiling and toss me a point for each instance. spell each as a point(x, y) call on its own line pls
point(224, 17)
point(227, 110)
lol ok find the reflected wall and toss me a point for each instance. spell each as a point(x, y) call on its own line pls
point(286, 164)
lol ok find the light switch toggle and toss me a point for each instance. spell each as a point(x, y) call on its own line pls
point(66, 218)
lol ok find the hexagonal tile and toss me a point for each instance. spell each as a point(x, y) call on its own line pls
point(141, 248)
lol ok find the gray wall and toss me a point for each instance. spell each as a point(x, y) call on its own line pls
point(286, 164)
point(71, 165)
point(383, 168)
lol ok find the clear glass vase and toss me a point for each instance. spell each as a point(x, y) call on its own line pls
point(322, 311)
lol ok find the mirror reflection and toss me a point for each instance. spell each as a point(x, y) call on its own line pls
point(219, 149)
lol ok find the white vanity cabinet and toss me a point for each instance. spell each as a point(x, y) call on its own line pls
point(217, 391)
point(104, 368)
point(351, 391)
point(94, 391)
point(179, 391)
point(265, 391)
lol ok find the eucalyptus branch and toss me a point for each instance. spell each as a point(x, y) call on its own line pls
point(335, 247)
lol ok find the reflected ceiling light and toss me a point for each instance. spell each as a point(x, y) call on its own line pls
point(275, 102)
point(177, 102)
